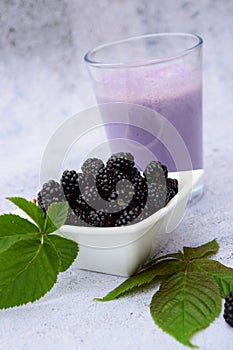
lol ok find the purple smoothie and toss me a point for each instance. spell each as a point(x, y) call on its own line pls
point(175, 92)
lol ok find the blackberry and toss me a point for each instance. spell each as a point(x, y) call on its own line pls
point(51, 192)
point(122, 197)
point(170, 194)
point(145, 213)
point(128, 174)
point(70, 185)
point(228, 309)
point(81, 208)
point(99, 218)
point(165, 171)
point(132, 195)
point(128, 216)
point(123, 155)
point(105, 183)
point(172, 183)
point(92, 166)
point(120, 161)
point(91, 196)
point(73, 219)
point(157, 195)
point(140, 191)
point(156, 172)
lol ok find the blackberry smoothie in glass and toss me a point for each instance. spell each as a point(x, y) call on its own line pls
point(162, 72)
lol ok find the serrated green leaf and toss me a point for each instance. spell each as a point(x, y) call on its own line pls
point(186, 303)
point(31, 209)
point(28, 270)
point(56, 216)
point(14, 228)
point(175, 256)
point(67, 250)
point(223, 275)
point(163, 268)
point(202, 251)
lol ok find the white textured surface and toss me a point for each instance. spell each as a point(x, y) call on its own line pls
point(42, 82)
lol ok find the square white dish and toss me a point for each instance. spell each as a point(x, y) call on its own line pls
point(122, 250)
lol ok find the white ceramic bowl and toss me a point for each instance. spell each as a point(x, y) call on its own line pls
point(122, 250)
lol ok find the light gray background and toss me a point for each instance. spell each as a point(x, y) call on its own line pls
point(43, 81)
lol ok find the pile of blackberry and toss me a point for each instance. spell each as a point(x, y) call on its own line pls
point(111, 194)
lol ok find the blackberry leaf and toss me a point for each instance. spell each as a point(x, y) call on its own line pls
point(66, 249)
point(56, 216)
point(223, 275)
point(14, 228)
point(28, 270)
point(185, 304)
point(176, 256)
point(30, 258)
point(31, 209)
point(163, 268)
point(202, 251)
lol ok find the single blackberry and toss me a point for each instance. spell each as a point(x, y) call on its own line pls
point(51, 192)
point(99, 218)
point(81, 208)
point(120, 161)
point(105, 183)
point(137, 191)
point(128, 216)
point(140, 191)
point(145, 213)
point(118, 174)
point(172, 183)
point(228, 309)
point(121, 198)
point(123, 155)
point(92, 166)
point(91, 196)
point(73, 219)
point(157, 195)
point(165, 171)
point(156, 172)
point(85, 181)
point(70, 185)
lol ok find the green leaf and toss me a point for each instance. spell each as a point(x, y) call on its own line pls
point(67, 250)
point(31, 209)
point(185, 304)
point(176, 256)
point(202, 251)
point(163, 268)
point(56, 216)
point(14, 228)
point(223, 275)
point(28, 270)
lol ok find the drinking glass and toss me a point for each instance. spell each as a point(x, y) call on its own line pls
point(162, 72)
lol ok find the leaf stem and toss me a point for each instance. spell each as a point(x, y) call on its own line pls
point(42, 237)
point(187, 261)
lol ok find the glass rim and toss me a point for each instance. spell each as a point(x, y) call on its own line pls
point(142, 62)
